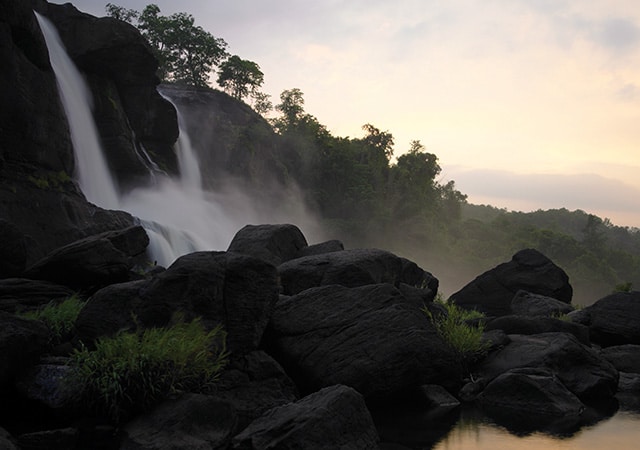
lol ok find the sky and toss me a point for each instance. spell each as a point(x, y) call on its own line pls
point(528, 104)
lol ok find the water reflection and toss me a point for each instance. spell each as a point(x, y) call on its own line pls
point(469, 428)
point(620, 432)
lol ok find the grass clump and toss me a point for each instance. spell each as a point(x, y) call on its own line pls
point(132, 371)
point(461, 330)
point(60, 317)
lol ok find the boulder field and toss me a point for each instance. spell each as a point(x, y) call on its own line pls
point(306, 369)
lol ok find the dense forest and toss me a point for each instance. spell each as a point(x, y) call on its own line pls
point(369, 194)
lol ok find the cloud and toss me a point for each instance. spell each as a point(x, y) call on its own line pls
point(617, 34)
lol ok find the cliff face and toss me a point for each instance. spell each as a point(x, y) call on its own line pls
point(37, 193)
point(230, 138)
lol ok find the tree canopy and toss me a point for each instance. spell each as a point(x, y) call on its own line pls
point(188, 54)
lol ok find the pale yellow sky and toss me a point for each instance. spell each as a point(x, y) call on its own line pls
point(527, 87)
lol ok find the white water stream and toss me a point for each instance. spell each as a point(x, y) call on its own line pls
point(176, 214)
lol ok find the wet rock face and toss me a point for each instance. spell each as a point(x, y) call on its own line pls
point(121, 71)
point(528, 270)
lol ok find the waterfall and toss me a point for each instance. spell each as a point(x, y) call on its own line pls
point(91, 167)
point(164, 209)
point(177, 214)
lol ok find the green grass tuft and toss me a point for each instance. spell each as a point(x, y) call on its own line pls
point(454, 328)
point(131, 372)
point(59, 317)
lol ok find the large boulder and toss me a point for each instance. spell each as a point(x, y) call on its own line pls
point(529, 270)
point(614, 319)
point(94, 261)
point(527, 304)
point(370, 338)
point(22, 294)
point(13, 250)
point(537, 325)
point(531, 392)
point(254, 384)
point(530, 400)
point(22, 341)
point(625, 358)
point(580, 368)
point(334, 417)
point(350, 268)
point(274, 244)
point(192, 421)
point(234, 290)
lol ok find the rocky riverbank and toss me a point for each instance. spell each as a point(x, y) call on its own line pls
point(317, 337)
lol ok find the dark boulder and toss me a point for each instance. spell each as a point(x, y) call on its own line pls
point(192, 421)
point(13, 250)
point(58, 439)
point(350, 268)
point(580, 368)
point(532, 392)
point(369, 338)
point(529, 270)
point(94, 261)
point(531, 400)
point(234, 290)
point(274, 244)
point(334, 417)
point(629, 382)
point(625, 358)
point(322, 247)
point(537, 325)
point(22, 294)
point(22, 341)
point(110, 310)
point(7, 442)
point(527, 304)
point(253, 384)
point(614, 319)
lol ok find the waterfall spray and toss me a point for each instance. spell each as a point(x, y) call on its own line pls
point(178, 215)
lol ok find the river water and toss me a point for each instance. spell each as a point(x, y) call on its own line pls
point(616, 427)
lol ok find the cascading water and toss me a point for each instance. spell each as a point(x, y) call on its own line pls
point(178, 215)
point(162, 209)
point(92, 170)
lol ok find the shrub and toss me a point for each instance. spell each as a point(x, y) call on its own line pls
point(132, 371)
point(465, 338)
point(59, 317)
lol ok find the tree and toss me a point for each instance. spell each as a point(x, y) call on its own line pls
point(121, 13)
point(261, 102)
point(292, 109)
point(240, 77)
point(186, 53)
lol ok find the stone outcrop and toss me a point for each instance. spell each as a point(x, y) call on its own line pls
point(528, 270)
point(369, 338)
point(614, 319)
point(580, 368)
point(229, 289)
point(350, 268)
point(274, 244)
point(334, 417)
point(527, 304)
